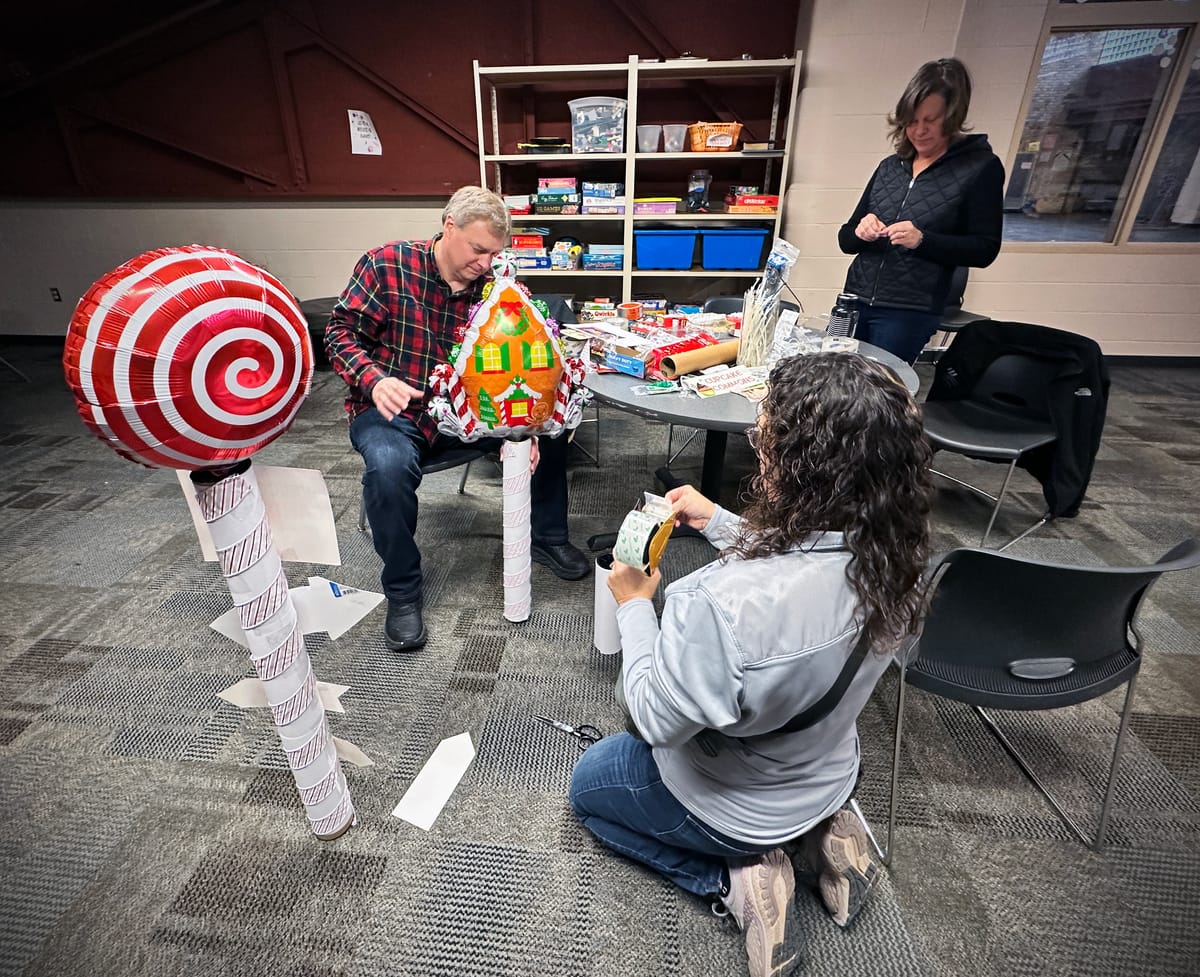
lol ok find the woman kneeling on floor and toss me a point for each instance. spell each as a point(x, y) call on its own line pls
point(831, 548)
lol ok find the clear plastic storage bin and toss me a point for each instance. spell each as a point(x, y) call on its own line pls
point(597, 124)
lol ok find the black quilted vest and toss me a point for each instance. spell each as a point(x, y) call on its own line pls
point(899, 278)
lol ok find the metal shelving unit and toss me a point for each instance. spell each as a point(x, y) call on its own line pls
point(637, 77)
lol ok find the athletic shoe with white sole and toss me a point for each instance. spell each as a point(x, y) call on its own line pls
point(841, 851)
point(760, 899)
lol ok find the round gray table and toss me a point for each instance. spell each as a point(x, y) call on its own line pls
point(717, 416)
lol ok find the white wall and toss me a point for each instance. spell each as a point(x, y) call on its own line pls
point(859, 56)
point(310, 247)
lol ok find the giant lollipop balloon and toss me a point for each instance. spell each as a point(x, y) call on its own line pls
point(188, 358)
point(192, 358)
point(507, 376)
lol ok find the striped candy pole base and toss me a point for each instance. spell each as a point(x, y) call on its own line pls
point(515, 455)
point(233, 509)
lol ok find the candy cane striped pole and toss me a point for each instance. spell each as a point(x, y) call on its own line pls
point(231, 505)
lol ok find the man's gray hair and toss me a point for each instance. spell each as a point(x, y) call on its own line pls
point(470, 204)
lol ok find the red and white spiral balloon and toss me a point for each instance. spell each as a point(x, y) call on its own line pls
point(188, 358)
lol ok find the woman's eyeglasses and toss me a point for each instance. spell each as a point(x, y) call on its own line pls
point(754, 436)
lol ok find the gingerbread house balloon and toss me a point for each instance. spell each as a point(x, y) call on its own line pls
point(507, 375)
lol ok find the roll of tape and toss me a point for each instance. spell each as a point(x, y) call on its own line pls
point(642, 539)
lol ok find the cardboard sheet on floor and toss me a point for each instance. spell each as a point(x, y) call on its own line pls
point(432, 787)
point(350, 753)
point(322, 605)
point(298, 512)
point(248, 693)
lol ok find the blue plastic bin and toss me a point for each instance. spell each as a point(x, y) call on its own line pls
point(733, 249)
point(663, 250)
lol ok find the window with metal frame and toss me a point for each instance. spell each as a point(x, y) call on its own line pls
point(1108, 150)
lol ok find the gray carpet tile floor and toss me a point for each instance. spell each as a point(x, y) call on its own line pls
point(151, 829)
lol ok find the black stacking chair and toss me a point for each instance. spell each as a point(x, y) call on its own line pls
point(1010, 633)
point(734, 303)
point(954, 316)
point(724, 303)
point(1005, 415)
point(450, 458)
point(316, 314)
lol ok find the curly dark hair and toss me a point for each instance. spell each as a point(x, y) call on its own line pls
point(841, 448)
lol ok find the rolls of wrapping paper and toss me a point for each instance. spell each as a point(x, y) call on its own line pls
point(517, 591)
point(233, 509)
point(699, 359)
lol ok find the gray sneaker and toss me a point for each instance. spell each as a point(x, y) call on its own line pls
point(760, 899)
point(840, 851)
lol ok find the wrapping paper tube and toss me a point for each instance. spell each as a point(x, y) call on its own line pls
point(606, 635)
point(517, 589)
point(699, 359)
point(233, 509)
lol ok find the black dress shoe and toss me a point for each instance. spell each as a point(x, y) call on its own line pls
point(404, 630)
point(563, 559)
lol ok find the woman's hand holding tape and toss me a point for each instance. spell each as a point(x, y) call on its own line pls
point(691, 508)
point(628, 583)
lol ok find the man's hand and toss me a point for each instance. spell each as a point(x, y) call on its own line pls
point(870, 228)
point(691, 508)
point(392, 396)
point(906, 234)
point(628, 583)
point(535, 454)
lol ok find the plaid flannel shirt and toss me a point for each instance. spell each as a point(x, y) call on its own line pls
point(396, 318)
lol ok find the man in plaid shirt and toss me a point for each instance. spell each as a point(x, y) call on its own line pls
point(392, 325)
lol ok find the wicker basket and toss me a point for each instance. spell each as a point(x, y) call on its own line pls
point(714, 137)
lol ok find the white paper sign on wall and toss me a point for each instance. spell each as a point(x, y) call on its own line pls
point(364, 140)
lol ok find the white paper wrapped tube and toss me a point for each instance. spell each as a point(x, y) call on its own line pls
point(250, 563)
point(515, 455)
point(606, 635)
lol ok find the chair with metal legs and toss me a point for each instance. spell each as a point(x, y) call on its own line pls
point(451, 458)
point(1026, 395)
point(1005, 416)
point(954, 316)
point(1005, 632)
point(593, 455)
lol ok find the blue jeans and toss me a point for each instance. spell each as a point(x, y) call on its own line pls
point(394, 452)
point(618, 794)
point(902, 332)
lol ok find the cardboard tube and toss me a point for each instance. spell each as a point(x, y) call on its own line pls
point(606, 636)
point(699, 359)
point(517, 570)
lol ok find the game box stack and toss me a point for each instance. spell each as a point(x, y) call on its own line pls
point(556, 195)
point(529, 251)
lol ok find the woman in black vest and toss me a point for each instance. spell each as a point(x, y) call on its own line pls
point(933, 206)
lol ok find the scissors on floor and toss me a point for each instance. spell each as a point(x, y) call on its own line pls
point(585, 733)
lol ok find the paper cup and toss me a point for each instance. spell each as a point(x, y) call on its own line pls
point(606, 636)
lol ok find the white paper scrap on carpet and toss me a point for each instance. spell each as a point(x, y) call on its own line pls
point(432, 787)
